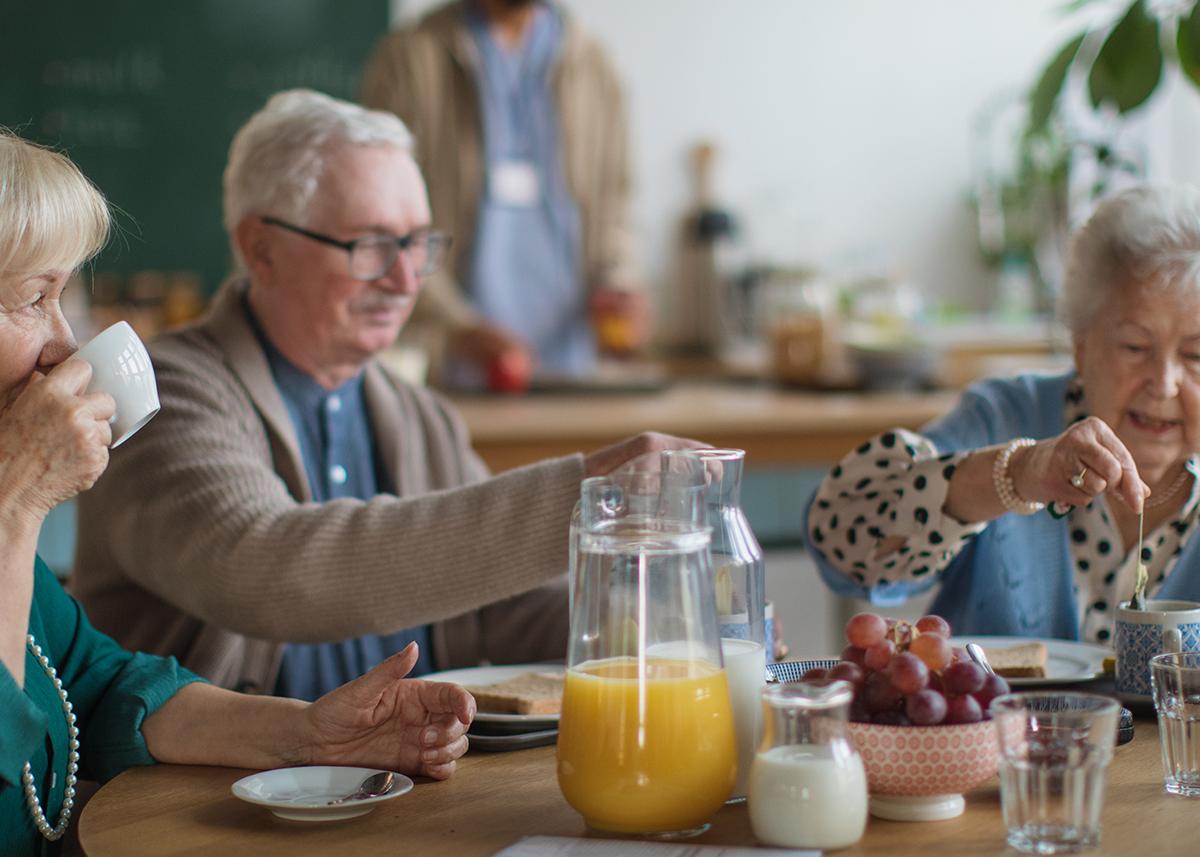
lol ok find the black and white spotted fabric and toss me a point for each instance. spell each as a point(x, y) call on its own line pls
point(895, 486)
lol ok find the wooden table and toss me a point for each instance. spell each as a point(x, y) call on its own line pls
point(495, 799)
point(776, 426)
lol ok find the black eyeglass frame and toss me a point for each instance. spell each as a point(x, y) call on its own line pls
point(436, 239)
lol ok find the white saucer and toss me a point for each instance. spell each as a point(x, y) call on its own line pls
point(303, 794)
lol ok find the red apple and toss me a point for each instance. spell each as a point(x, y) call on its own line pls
point(510, 372)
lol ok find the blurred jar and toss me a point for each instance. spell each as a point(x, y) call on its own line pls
point(800, 322)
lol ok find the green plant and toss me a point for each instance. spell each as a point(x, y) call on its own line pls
point(1127, 67)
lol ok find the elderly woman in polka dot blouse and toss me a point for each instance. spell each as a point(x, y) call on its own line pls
point(1023, 502)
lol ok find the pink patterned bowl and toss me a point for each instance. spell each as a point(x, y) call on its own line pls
point(918, 773)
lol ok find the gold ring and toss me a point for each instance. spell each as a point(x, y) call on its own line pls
point(1077, 479)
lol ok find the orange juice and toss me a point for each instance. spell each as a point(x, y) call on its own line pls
point(650, 756)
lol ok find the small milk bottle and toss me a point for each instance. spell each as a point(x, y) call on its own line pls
point(808, 788)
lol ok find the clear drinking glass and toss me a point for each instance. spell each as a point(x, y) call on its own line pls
point(740, 592)
point(646, 738)
point(1175, 678)
point(808, 787)
point(1054, 752)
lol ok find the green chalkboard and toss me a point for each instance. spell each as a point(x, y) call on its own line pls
point(145, 96)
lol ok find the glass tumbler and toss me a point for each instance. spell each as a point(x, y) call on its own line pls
point(1054, 754)
point(1175, 678)
point(646, 737)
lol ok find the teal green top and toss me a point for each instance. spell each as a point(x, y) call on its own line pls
point(111, 691)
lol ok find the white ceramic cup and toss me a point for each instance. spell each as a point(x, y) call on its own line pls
point(121, 367)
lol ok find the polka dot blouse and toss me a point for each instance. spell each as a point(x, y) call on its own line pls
point(894, 487)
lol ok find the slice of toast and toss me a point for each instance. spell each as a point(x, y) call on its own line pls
point(528, 693)
point(1027, 660)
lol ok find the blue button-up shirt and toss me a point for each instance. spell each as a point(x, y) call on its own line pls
point(525, 274)
point(337, 447)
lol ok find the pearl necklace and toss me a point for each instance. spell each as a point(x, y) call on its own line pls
point(1172, 489)
point(31, 797)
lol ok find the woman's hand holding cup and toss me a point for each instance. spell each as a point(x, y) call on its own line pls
point(54, 439)
point(1078, 465)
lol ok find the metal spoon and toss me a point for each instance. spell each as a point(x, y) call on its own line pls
point(373, 786)
point(977, 655)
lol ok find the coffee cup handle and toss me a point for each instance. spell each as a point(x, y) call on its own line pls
point(1171, 640)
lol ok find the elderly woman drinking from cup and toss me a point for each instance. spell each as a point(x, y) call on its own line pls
point(1023, 502)
point(73, 704)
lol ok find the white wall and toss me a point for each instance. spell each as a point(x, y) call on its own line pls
point(844, 125)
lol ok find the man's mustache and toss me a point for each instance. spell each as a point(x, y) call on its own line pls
point(378, 301)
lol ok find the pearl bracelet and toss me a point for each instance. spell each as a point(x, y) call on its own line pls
point(1003, 482)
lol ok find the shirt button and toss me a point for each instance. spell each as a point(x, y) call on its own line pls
point(334, 403)
point(337, 474)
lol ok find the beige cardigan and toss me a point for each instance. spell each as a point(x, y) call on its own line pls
point(425, 75)
point(200, 540)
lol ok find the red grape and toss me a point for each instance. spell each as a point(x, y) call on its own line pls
point(847, 671)
point(854, 655)
point(892, 718)
point(879, 694)
point(963, 709)
point(964, 677)
point(935, 651)
point(932, 624)
point(878, 656)
point(815, 674)
point(908, 673)
point(926, 708)
point(858, 710)
point(993, 686)
point(865, 629)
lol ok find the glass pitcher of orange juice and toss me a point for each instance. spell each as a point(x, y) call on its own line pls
point(646, 738)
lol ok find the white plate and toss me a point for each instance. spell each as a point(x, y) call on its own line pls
point(303, 794)
point(481, 676)
point(1067, 661)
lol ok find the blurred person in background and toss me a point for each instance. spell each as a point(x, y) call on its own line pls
point(75, 706)
point(296, 513)
point(1023, 502)
point(521, 134)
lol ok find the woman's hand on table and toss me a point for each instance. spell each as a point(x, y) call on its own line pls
point(54, 439)
point(384, 720)
point(1045, 471)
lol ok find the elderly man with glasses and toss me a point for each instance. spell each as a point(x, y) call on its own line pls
point(296, 513)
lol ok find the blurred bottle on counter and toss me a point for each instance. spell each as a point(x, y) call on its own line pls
point(698, 310)
point(1016, 296)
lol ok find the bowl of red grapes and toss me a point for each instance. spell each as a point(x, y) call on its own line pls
point(919, 715)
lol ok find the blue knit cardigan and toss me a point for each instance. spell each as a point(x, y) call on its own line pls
point(1015, 577)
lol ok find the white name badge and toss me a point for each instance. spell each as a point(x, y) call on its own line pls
point(514, 183)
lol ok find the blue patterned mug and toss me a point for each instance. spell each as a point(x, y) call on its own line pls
point(1164, 626)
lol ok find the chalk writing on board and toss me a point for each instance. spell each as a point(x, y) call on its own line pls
point(139, 70)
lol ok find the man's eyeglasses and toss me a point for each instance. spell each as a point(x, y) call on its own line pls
point(373, 256)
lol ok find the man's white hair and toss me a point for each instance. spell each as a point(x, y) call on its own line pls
point(1142, 236)
point(277, 158)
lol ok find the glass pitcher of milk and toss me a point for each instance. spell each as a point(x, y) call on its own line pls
point(808, 788)
point(739, 587)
